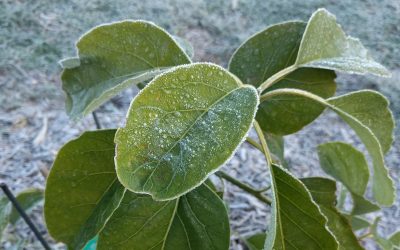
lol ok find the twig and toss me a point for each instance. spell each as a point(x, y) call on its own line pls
point(21, 211)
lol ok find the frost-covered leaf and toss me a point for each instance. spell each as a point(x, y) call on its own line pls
point(346, 164)
point(296, 220)
point(185, 45)
point(256, 241)
point(265, 54)
point(82, 189)
point(325, 45)
point(5, 210)
point(368, 114)
point(196, 220)
point(27, 199)
point(181, 128)
point(113, 57)
point(323, 193)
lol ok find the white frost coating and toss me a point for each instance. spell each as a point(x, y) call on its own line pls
point(351, 56)
point(240, 86)
point(139, 21)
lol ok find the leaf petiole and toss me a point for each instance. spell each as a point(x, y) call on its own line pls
point(256, 193)
point(276, 77)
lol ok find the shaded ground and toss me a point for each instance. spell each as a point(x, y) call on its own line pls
point(34, 35)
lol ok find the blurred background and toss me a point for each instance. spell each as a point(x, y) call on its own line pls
point(35, 35)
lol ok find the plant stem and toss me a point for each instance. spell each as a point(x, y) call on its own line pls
point(276, 77)
point(243, 186)
point(254, 144)
point(365, 236)
point(264, 145)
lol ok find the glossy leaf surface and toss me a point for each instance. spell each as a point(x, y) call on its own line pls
point(113, 57)
point(181, 128)
point(265, 54)
point(82, 189)
point(325, 45)
point(296, 221)
point(323, 192)
point(197, 220)
point(27, 199)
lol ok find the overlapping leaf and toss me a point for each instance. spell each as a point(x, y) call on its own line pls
point(113, 57)
point(82, 189)
point(368, 114)
point(296, 220)
point(349, 166)
point(181, 128)
point(323, 193)
point(325, 45)
point(197, 220)
point(265, 54)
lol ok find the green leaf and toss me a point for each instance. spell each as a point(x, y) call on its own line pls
point(296, 221)
point(346, 164)
point(368, 114)
point(27, 199)
point(287, 115)
point(197, 220)
point(349, 166)
point(82, 189)
point(113, 57)
point(358, 223)
point(265, 54)
point(395, 239)
point(181, 128)
point(5, 210)
point(325, 45)
point(256, 241)
point(323, 193)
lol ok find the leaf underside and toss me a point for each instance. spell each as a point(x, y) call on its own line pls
point(181, 128)
point(196, 220)
point(325, 45)
point(113, 57)
point(296, 221)
point(367, 113)
point(82, 189)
